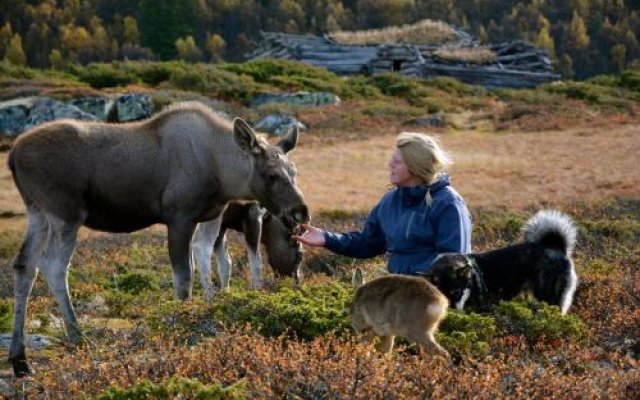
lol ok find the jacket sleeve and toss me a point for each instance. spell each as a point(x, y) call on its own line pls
point(367, 243)
point(454, 229)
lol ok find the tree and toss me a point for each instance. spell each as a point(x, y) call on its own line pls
point(131, 33)
point(162, 22)
point(56, 60)
point(545, 41)
point(619, 56)
point(216, 47)
point(6, 33)
point(188, 50)
point(15, 54)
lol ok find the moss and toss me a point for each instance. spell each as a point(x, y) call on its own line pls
point(176, 387)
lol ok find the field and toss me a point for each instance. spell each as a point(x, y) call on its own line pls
point(296, 343)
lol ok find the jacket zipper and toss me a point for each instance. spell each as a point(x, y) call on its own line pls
point(406, 234)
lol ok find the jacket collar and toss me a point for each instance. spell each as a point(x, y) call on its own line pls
point(417, 193)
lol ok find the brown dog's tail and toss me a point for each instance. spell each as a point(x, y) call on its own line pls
point(551, 228)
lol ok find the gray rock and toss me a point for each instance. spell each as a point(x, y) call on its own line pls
point(46, 110)
point(278, 124)
point(13, 118)
point(97, 106)
point(36, 342)
point(297, 99)
point(133, 106)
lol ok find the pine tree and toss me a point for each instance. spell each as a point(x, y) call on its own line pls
point(15, 54)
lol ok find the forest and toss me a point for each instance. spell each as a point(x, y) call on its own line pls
point(583, 37)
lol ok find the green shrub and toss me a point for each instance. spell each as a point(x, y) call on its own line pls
point(494, 227)
point(305, 312)
point(455, 87)
point(177, 388)
point(466, 333)
point(538, 320)
point(6, 315)
point(132, 283)
point(388, 109)
point(9, 243)
point(592, 94)
point(264, 70)
point(216, 82)
point(630, 79)
point(101, 75)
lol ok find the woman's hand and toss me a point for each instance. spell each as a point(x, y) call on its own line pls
point(311, 236)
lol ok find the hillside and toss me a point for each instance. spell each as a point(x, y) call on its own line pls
point(569, 145)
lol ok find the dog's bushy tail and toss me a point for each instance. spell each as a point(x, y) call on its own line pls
point(551, 228)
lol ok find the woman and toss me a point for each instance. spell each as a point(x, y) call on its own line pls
point(415, 221)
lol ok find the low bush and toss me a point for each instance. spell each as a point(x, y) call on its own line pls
point(538, 321)
point(305, 312)
point(10, 241)
point(176, 388)
point(6, 314)
point(466, 334)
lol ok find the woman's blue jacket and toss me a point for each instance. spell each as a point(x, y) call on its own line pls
point(408, 230)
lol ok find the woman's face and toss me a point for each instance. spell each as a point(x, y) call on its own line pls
point(399, 174)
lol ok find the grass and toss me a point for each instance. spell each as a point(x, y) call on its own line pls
point(422, 32)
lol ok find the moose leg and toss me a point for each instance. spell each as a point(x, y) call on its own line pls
point(202, 248)
point(224, 261)
point(55, 268)
point(252, 232)
point(25, 271)
point(180, 234)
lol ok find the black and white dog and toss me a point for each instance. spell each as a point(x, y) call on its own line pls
point(541, 265)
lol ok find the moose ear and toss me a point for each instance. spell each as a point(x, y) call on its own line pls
point(289, 140)
point(245, 137)
point(357, 279)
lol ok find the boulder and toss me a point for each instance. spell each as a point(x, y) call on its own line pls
point(278, 124)
point(132, 107)
point(45, 110)
point(13, 115)
point(297, 99)
point(97, 106)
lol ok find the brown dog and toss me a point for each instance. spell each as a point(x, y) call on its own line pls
point(398, 305)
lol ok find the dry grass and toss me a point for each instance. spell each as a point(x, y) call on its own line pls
point(508, 170)
point(423, 32)
point(472, 55)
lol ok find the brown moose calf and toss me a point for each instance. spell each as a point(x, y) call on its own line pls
point(398, 305)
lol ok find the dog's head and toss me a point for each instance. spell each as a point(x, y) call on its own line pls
point(453, 275)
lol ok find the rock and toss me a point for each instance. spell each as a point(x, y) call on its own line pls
point(13, 117)
point(36, 342)
point(278, 124)
point(45, 110)
point(99, 107)
point(297, 99)
point(132, 107)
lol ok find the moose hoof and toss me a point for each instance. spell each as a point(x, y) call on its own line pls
point(21, 368)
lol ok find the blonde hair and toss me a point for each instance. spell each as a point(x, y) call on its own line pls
point(423, 156)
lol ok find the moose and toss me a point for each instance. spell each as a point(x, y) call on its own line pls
point(398, 305)
point(258, 226)
point(179, 168)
